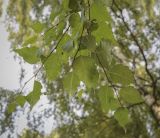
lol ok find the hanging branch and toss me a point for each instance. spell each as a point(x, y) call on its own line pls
point(54, 26)
point(44, 61)
point(79, 46)
point(137, 43)
point(109, 81)
point(89, 10)
point(153, 81)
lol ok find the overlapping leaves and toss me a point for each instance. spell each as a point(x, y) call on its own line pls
point(32, 98)
point(86, 37)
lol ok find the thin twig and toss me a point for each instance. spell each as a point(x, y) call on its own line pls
point(109, 81)
point(44, 61)
point(137, 43)
point(136, 104)
point(79, 46)
point(54, 26)
point(89, 11)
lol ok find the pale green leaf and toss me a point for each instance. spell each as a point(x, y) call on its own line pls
point(29, 54)
point(38, 27)
point(130, 95)
point(30, 40)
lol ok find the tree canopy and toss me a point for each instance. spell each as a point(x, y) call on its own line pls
point(96, 57)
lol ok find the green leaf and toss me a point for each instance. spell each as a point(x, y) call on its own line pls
point(55, 11)
point(74, 19)
point(130, 95)
point(88, 42)
point(34, 96)
point(122, 116)
point(121, 74)
point(84, 52)
point(100, 14)
point(38, 27)
point(85, 69)
point(104, 31)
point(66, 44)
point(50, 36)
point(71, 82)
point(74, 5)
point(11, 107)
point(53, 66)
point(29, 54)
point(93, 26)
point(30, 40)
point(99, 11)
point(20, 100)
point(65, 4)
point(107, 100)
point(104, 53)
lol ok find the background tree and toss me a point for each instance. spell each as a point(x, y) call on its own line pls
point(90, 54)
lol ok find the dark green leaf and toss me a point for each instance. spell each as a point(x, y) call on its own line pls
point(130, 95)
point(85, 69)
point(53, 66)
point(122, 116)
point(11, 107)
point(88, 42)
point(74, 19)
point(104, 53)
point(71, 82)
point(107, 100)
point(121, 74)
point(74, 5)
point(20, 100)
point(100, 14)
